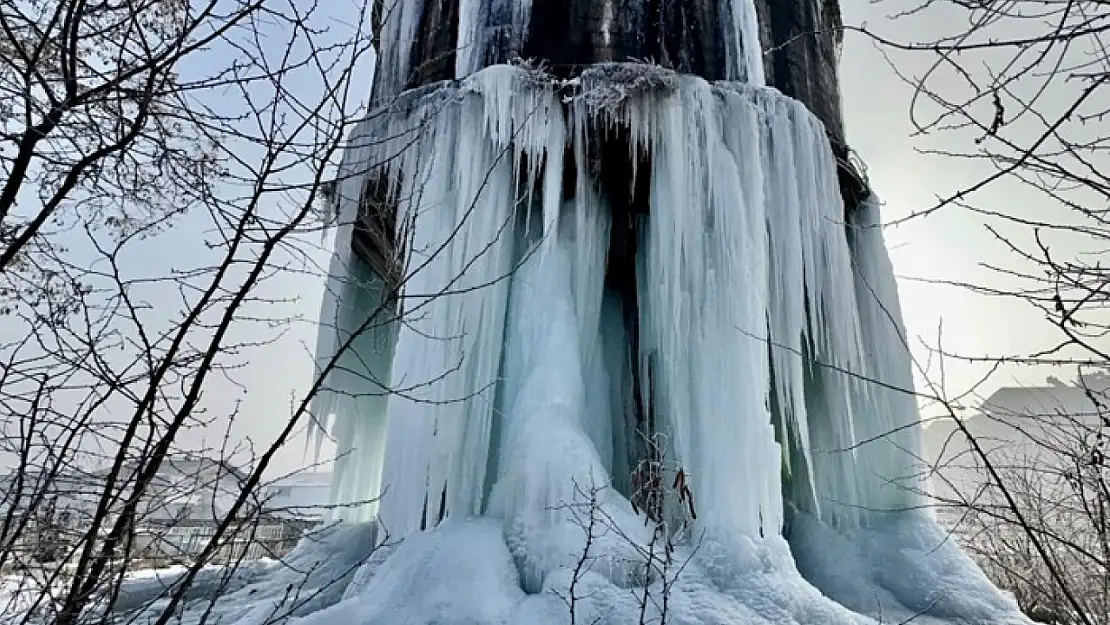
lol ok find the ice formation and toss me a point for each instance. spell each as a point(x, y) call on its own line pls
point(770, 326)
point(500, 402)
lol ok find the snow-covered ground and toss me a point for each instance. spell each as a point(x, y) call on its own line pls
point(464, 573)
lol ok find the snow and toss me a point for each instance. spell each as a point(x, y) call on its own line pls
point(464, 572)
point(314, 576)
point(17, 597)
point(902, 569)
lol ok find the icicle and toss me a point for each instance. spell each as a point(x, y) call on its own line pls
point(456, 205)
point(365, 365)
point(552, 186)
point(745, 52)
point(546, 448)
point(399, 26)
point(770, 355)
point(887, 416)
point(354, 393)
point(468, 55)
point(704, 298)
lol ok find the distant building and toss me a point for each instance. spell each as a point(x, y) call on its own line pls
point(1016, 427)
point(302, 496)
point(1051, 401)
point(188, 500)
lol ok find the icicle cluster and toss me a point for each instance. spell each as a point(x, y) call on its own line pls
point(769, 331)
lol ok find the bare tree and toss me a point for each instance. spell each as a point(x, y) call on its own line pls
point(1018, 93)
point(664, 500)
point(165, 163)
point(1026, 494)
point(170, 169)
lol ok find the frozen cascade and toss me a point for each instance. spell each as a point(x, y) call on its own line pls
point(361, 319)
point(770, 353)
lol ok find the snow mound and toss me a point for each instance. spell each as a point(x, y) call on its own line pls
point(313, 576)
point(459, 574)
point(463, 573)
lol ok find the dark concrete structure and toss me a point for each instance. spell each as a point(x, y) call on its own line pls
point(800, 39)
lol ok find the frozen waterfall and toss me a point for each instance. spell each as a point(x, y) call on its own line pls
point(758, 368)
point(768, 328)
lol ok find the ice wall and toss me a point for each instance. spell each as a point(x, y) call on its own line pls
point(769, 328)
point(751, 344)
